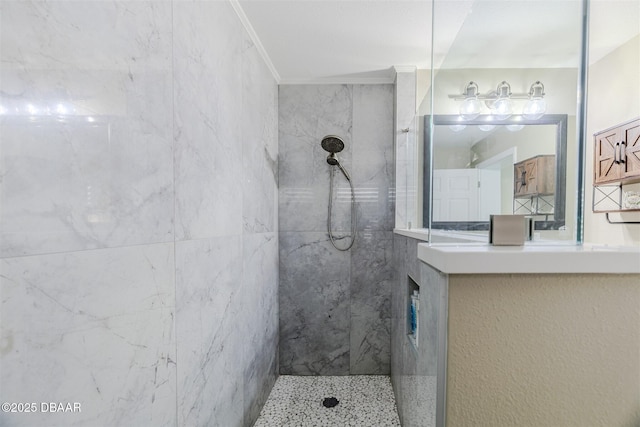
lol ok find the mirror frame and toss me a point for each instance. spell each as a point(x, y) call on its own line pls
point(559, 120)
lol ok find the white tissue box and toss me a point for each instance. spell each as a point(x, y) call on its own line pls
point(508, 230)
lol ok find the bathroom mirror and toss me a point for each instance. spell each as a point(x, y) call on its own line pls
point(502, 54)
point(479, 168)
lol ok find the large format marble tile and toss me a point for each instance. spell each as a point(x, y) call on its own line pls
point(371, 282)
point(209, 308)
point(314, 305)
point(413, 175)
point(372, 274)
point(374, 193)
point(260, 272)
point(86, 133)
point(93, 327)
point(123, 83)
point(307, 113)
point(373, 155)
point(414, 370)
point(57, 35)
point(259, 144)
point(369, 346)
point(404, 118)
point(362, 115)
point(208, 122)
point(303, 206)
point(398, 315)
point(433, 284)
point(403, 355)
point(259, 320)
point(417, 382)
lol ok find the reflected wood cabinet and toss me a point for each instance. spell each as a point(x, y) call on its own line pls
point(535, 176)
point(617, 154)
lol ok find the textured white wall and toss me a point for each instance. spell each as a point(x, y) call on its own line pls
point(543, 350)
point(613, 91)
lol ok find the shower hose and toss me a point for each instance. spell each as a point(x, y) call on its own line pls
point(353, 211)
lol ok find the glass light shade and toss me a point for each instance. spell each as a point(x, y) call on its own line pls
point(486, 128)
point(534, 109)
point(31, 109)
point(457, 128)
point(502, 109)
point(470, 108)
point(62, 109)
point(515, 128)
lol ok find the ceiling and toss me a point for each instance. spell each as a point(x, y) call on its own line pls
point(360, 41)
point(341, 41)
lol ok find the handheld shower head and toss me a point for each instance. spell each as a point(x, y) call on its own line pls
point(332, 159)
point(344, 172)
point(333, 144)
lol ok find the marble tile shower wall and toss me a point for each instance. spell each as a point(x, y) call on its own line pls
point(335, 314)
point(414, 370)
point(138, 215)
point(406, 150)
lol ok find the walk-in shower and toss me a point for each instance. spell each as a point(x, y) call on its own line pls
point(333, 144)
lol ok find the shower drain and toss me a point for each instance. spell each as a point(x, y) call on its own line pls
point(330, 402)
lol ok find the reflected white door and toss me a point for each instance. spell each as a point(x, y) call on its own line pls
point(455, 195)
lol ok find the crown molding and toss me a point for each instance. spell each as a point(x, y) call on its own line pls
point(254, 38)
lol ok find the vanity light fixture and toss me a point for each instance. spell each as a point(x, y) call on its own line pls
point(471, 107)
point(536, 106)
point(457, 128)
point(502, 107)
point(501, 101)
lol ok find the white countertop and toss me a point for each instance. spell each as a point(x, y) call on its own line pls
point(470, 258)
point(444, 236)
point(416, 233)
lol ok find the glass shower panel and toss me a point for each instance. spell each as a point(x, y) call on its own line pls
point(506, 77)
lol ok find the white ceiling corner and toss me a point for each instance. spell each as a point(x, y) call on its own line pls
point(340, 41)
point(255, 39)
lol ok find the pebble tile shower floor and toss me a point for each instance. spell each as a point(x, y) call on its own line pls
point(365, 401)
